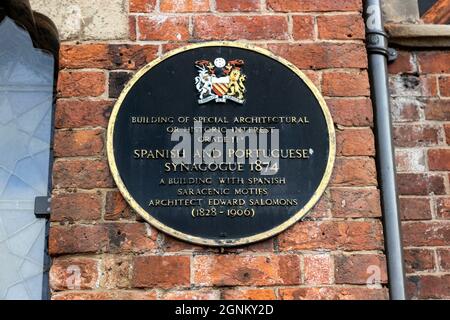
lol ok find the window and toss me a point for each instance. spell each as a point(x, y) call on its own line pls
point(418, 23)
point(26, 112)
point(435, 11)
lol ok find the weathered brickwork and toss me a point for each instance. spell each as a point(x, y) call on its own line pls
point(331, 255)
point(421, 115)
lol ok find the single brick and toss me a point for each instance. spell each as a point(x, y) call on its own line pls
point(426, 233)
point(360, 269)
point(84, 56)
point(308, 5)
point(231, 270)
point(444, 86)
point(420, 184)
point(333, 235)
point(116, 207)
point(131, 237)
point(403, 64)
point(257, 247)
point(73, 273)
point(406, 109)
point(171, 244)
point(76, 206)
point(166, 47)
point(163, 28)
point(345, 84)
point(213, 27)
point(131, 57)
point(202, 294)
point(358, 171)
point(86, 174)
point(415, 135)
point(412, 85)
point(161, 271)
point(355, 142)
point(77, 239)
point(82, 113)
point(333, 293)
point(443, 208)
point(142, 5)
point(444, 258)
point(415, 208)
point(439, 159)
point(314, 76)
point(417, 260)
point(113, 56)
point(323, 55)
point(184, 6)
point(355, 203)
point(341, 27)
point(321, 209)
point(72, 143)
point(81, 84)
point(434, 61)
point(105, 295)
point(117, 81)
point(351, 112)
point(447, 133)
point(115, 272)
point(249, 294)
point(410, 160)
point(133, 27)
point(428, 287)
point(303, 27)
point(317, 269)
point(438, 110)
point(238, 5)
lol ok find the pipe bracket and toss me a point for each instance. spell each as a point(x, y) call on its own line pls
point(392, 55)
point(42, 207)
point(377, 42)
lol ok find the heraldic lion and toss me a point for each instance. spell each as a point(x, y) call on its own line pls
point(236, 85)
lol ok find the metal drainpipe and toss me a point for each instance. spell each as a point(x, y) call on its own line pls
point(378, 54)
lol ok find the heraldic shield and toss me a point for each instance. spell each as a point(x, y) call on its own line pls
point(220, 81)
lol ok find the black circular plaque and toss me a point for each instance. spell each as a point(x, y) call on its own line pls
point(223, 86)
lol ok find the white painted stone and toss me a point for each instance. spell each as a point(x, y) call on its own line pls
point(419, 35)
point(410, 160)
point(401, 11)
point(86, 19)
point(400, 103)
point(406, 86)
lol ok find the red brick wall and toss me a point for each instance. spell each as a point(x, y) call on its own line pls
point(329, 256)
point(421, 112)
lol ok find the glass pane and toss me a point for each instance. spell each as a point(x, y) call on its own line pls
point(26, 97)
point(425, 5)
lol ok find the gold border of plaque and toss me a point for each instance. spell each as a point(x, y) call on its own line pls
point(226, 242)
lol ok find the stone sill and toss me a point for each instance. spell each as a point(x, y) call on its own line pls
point(419, 35)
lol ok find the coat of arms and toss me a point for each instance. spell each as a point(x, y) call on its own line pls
point(220, 81)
